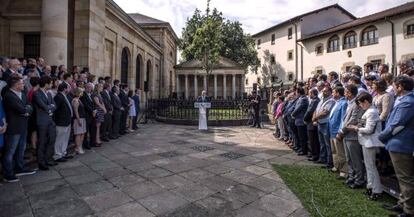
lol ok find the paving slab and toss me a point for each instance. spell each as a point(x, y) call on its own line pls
point(163, 202)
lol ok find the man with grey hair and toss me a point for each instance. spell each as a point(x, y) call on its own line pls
point(319, 86)
point(13, 68)
point(203, 97)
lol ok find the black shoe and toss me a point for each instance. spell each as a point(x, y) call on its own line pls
point(340, 178)
point(105, 139)
point(349, 182)
point(394, 208)
point(97, 145)
point(67, 157)
point(51, 164)
point(375, 196)
point(112, 138)
point(42, 167)
point(355, 186)
point(61, 160)
point(368, 192)
point(320, 162)
point(301, 154)
point(11, 179)
point(25, 172)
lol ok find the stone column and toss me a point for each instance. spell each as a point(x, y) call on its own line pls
point(195, 86)
point(54, 33)
point(224, 87)
point(205, 82)
point(215, 86)
point(243, 80)
point(186, 86)
point(233, 88)
point(178, 86)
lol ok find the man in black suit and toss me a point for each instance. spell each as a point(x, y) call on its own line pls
point(117, 112)
point(255, 101)
point(46, 128)
point(123, 96)
point(90, 110)
point(63, 119)
point(13, 68)
point(17, 110)
point(106, 127)
point(203, 97)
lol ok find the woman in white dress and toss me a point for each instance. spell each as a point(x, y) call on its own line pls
point(132, 111)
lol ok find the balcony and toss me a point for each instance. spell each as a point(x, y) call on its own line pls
point(350, 45)
point(332, 49)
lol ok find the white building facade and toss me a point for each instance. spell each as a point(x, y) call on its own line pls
point(331, 39)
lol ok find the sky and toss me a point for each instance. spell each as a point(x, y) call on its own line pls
point(253, 16)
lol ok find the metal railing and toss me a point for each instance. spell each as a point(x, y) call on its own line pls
point(184, 109)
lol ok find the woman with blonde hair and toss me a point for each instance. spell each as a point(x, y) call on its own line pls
point(79, 123)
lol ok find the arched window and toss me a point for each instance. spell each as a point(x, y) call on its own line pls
point(350, 40)
point(124, 65)
point(138, 70)
point(333, 44)
point(148, 74)
point(369, 36)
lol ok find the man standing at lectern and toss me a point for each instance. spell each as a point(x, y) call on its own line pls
point(203, 97)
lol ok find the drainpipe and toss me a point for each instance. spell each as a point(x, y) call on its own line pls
point(393, 46)
point(296, 51)
point(301, 60)
point(160, 78)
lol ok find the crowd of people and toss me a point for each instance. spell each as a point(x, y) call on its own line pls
point(357, 124)
point(47, 109)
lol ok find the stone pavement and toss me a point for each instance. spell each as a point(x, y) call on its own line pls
point(164, 170)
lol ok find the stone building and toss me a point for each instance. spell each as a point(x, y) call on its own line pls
point(92, 33)
point(224, 82)
point(332, 39)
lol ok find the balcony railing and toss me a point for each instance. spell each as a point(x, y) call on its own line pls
point(369, 41)
point(332, 49)
point(350, 45)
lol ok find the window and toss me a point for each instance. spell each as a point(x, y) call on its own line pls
point(319, 71)
point(290, 76)
point(350, 40)
point(376, 64)
point(290, 55)
point(333, 44)
point(273, 39)
point(410, 29)
point(290, 33)
point(272, 59)
point(258, 43)
point(319, 49)
point(247, 81)
point(31, 45)
point(369, 36)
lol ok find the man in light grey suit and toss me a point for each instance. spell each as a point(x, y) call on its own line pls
point(353, 150)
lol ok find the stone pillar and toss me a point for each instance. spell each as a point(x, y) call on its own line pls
point(195, 86)
point(215, 86)
point(54, 33)
point(205, 82)
point(224, 87)
point(178, 86)
point(233, 88)
point(243, 81)
point(186, 86)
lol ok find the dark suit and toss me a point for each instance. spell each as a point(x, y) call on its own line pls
point(46, 128)
point(203, 99)
point(298, 114)
point(313, 141)
point(106, 127)
point(17, 113)
point(256, 107)
point(90, 120)
point(116, 115)
point(63, 113)
point(124, 113)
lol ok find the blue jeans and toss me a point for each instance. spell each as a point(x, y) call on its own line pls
point(325, 143)
point(14, 154)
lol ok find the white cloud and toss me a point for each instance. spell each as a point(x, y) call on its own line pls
point(255, 15)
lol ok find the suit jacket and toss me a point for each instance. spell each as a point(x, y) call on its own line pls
point(116, 102)
point(44, 107)
point(336, 116)
point(124, 99)
point(309, 113)
point(200, 99)
point(106, 98)
point(63, 113)
point(368, 134)
point(17, 112)
point(398, 134)
point(300, 109)
point(89, 105)
point(352, 115)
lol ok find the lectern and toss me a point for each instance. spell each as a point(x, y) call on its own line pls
point(202, 114)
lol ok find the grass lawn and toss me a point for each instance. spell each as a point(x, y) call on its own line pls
point(323, 195)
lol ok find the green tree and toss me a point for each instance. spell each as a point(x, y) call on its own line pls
point(235, 44)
